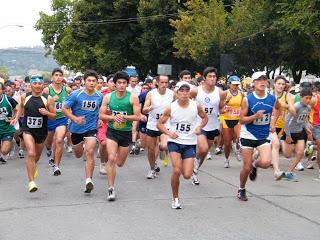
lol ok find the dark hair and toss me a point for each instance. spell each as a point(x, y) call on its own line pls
point(77, 78)
point(317, 86)
point(27, 79)
point(57, 70)
point(280, 77)
point(208, 70)
point(161, 75)
point(184, 72)
point(306, 92)
point(90, 73)
point(110, 76)
point(2, 86)
point(121, 75)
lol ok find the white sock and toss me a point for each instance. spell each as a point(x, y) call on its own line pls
point(88, 180)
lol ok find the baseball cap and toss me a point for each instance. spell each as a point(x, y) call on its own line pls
point(258, 75)
point(182, 84)
point(234, 80)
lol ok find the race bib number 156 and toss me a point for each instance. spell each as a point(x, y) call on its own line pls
point(89, 105)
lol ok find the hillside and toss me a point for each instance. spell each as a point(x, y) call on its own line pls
point(19, 61)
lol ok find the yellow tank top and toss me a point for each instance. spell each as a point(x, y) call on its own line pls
point(281, 118)
point(234, 106)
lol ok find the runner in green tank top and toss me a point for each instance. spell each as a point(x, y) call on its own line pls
point(57, 128)
point(124, 109)
point(7, 105)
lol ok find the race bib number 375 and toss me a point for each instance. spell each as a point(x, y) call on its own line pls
point(89, 105)
point(34, 122)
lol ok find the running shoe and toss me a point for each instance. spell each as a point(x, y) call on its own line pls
point(141, 149)
point(279, 175)
point(56, 171)
point(242, 195)
point(136, 149)
point(21, 153)
point(313, 158)
point(51, 162)
point(196, 165)
point(195, 179)
point(151, 174)
point(69, 149)
point(49, 152)
point(291, 177)
point(218, 151)
point(309, 165)
point(32, 186)
point(208, 156)
point(226, 163)
point(165, 161)
point(299, 167)
point(132, 150)
point(176, 204)
point(253, 174)
point(2, 160)
point(103, 169)
point(156, 167)
point(89, 186)
point(111, 194)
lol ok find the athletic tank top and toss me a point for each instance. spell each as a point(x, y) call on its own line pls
point(58, 104)
point(315, 115)
point(33, 120)
point(258, 129)
point(159, 103)
point(234, 106)
point(210, 103)
point(5, 112)
point(183, 122)
point(120, 106)
point(283, 110)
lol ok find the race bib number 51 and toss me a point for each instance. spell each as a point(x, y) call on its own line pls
point(89, 105)
point(34, 122)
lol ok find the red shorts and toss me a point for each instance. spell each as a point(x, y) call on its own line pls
point(102, 133)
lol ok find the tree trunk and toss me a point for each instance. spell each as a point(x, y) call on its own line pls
point(296, 76)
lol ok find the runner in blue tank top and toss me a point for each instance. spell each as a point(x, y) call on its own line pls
point(257, 120)
point(84, 104)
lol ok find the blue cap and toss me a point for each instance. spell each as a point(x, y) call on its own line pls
point(36, 78)
point(234, 80)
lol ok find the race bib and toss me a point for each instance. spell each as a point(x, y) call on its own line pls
point(58, 106)
point(158, 115)
point(183, 128)
point(302, 118)
point(34, 122)
point(3, 113)
point(89, 105)
point(265, 120)
point(116, 124)
point(234, 112)
point(208, 111)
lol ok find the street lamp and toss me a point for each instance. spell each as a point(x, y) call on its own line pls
point(11, 25)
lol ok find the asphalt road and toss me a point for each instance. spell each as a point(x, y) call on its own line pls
point(60, 209)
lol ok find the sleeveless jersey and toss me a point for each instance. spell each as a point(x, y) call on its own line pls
point(6, 110)
point(183, 122)
point(283, 110)
point(234, 106)
point(315, 113)
point(259, 128)
point(159, 103)
point(58, 104)
point(120, 106)
point(210, 103)
point(33, 120)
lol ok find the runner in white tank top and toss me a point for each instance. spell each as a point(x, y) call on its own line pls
point(156, 102)
point(182, 136)
point(212, 99)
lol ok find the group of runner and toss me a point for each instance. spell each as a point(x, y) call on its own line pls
point(178, 122)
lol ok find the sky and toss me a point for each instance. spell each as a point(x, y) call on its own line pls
point(21, 12)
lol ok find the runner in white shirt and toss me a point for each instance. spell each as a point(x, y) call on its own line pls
point(212, 99)
point(182, 139)
point(156, 102)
